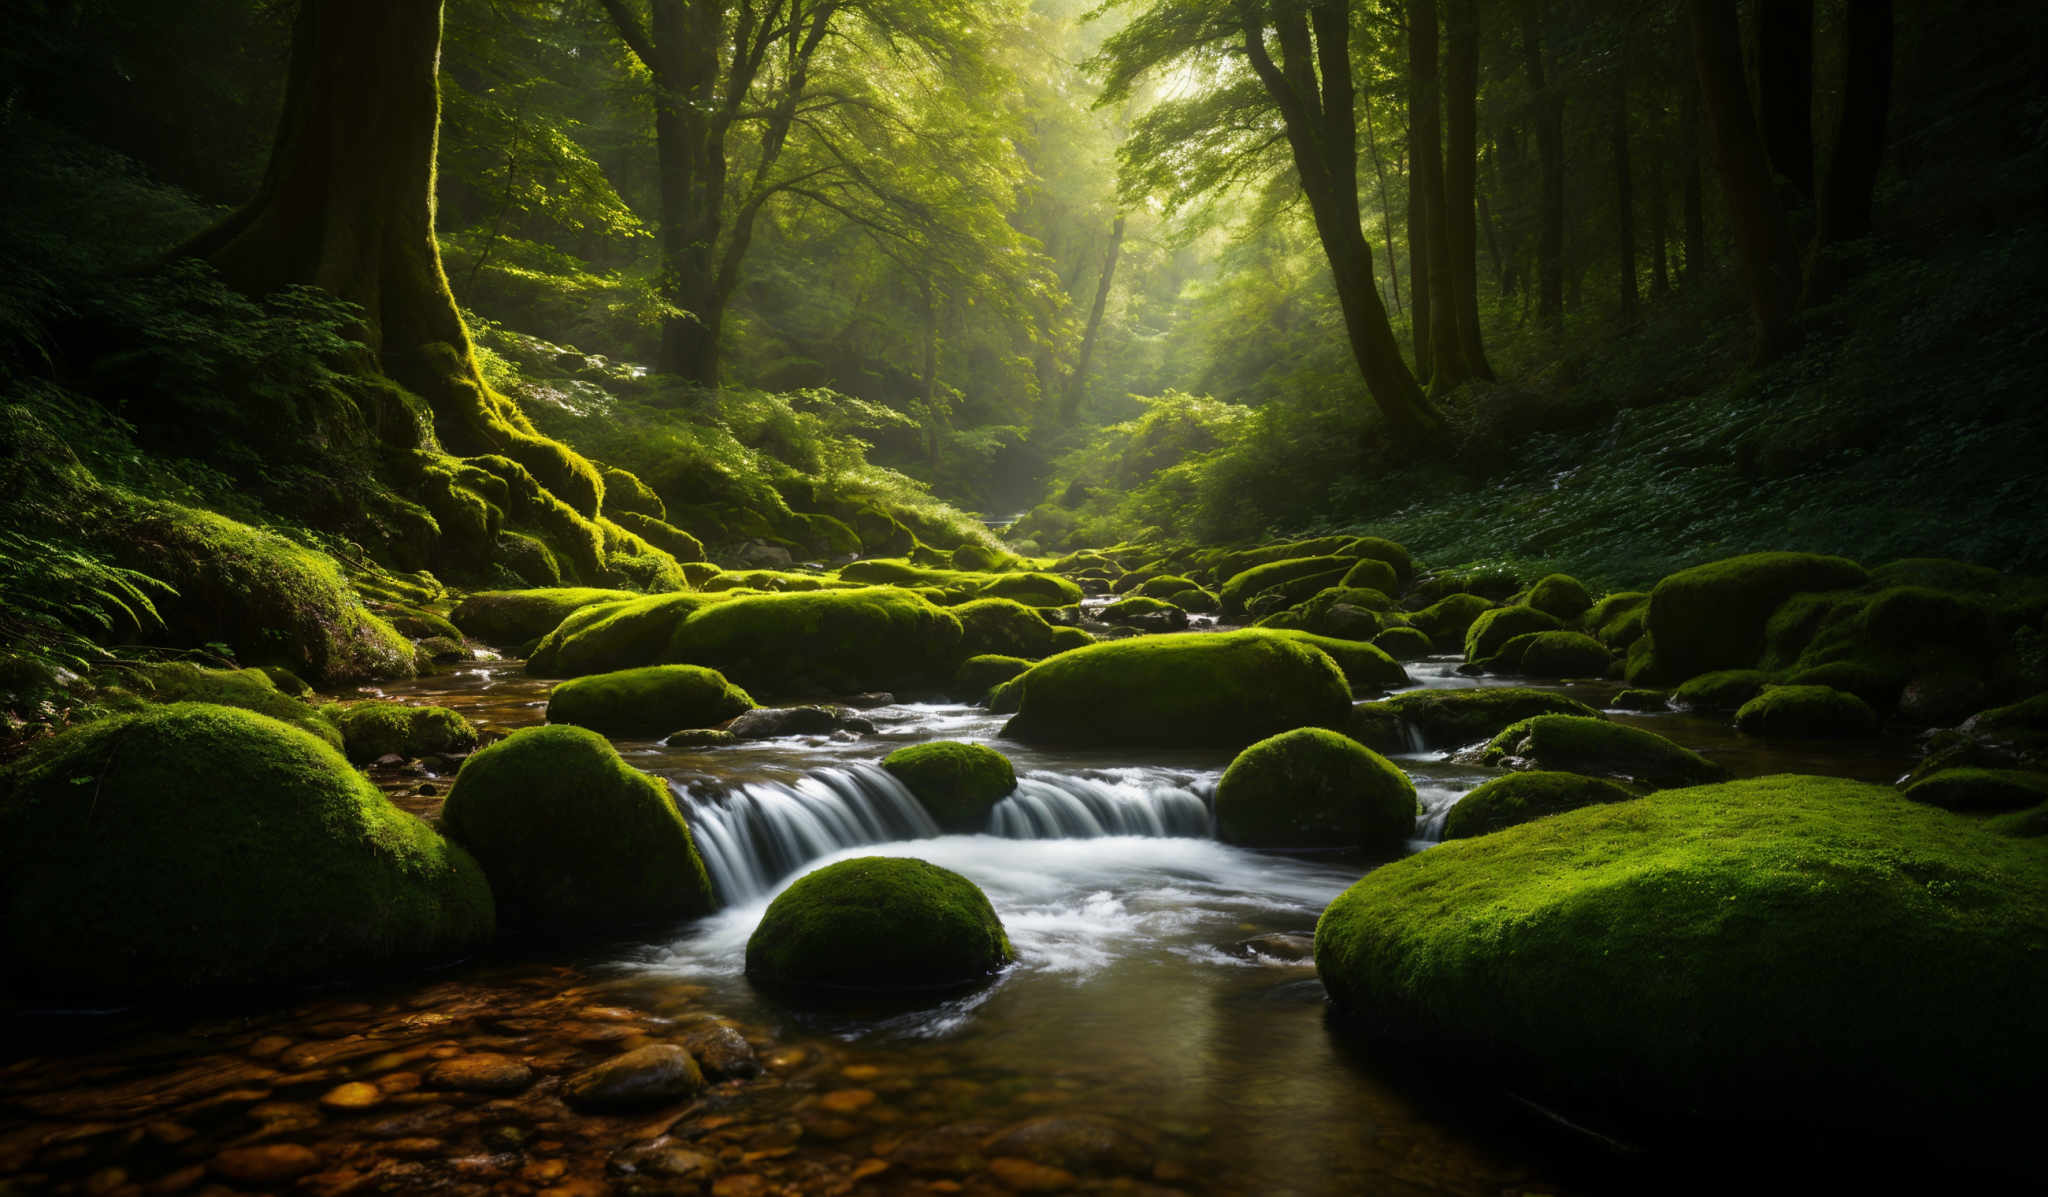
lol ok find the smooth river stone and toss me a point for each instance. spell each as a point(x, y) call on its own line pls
point(484, 1072)
point(721, 1051)
point(272, 1163)
point(651, 1075)
point(353, 1096)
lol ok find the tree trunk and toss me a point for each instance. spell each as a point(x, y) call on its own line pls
point(1461, 168)
point(1692, 189)
point(1372, 146)
point(1447, 368)
point(1077, 386)
point(1624, 193)
point(347, 204)
point(1763, 243)
point(1421, 300)
point(1660, 218)
point(1784, 77)
point(1550, 152)
point(1859, 140)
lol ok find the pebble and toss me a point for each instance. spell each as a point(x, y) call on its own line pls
point(721, 1051)
point(847, 1101)
point(745, 1184)
point(644, 1076)
point(354, 1095)
point(272, 1163)
point(661, 1159)
point(1023, 1176)
point(484, 1072)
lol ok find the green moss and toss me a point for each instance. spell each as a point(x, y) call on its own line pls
point(286, 682)
point(1561, 596)
point(1195, 600)
point(1311, 790)
point(1451, 718)
point(1721, 690)
point(1939, 573)
point(980, 674)
point(1713, 616)
point(1404, 644)
point(1237, 592)
point(195, 845)
point(1350, 613)
point(1372, 574)
point(1559, 654)
point(841, 641)
point(1793, 626)
point(877, 924)
point(1366, 668)
point(1877, 683)
point(271, 600)
point(1981, 790)
point(529, 558)
point(1784, 948)
point(1137, 611)
point(825, 535)
point(2027, 715)
point(516, 616)
point(651, 701)
point(1493, 629)
point(1641, 700)
point(625, 494)
point(2023, 824)
point(1446, 621)
point(558, 468)
point(957, 784)
point(664, 536)
point(373, 729)
point(572, 837)
point(1229, 565)
point(1577, 744)
point(605, 636)
point(1066, 639)
point(1212, 691)
point(697, 573)
point(1806, 711)
point(1032, 589)
point(1618, 620)
point(631, 562)
point(246, 689)
point(1003, 627)
point(1521, 797)
point(1380, 549)
point(975, 558)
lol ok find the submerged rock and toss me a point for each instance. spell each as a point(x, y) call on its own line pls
point(877, 924)
point(770, 723)
point(646, 1076)
point(1311, 790)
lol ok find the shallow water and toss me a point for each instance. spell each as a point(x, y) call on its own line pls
point(1161, 1030)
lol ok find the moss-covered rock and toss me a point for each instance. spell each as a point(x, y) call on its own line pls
point(1148, 614)
point(1239, 589)
point(1404, 644)
point(661, 534)
point(957, 784)
point(373, 729)
point(1560, 596)
point(607, 636)
point(650, 701)
point(1348, 613)
point(2020, 824)
point(248, 689)
point(1521, 797)
point(517, 616)
point(1981, 791)
point(980, 674)
point(1366, 669)
point(1806, 711)
point(1619, 619)
point(1311, 790)
point(1452, 718)
point(1379, 548)
point(1781, 948)
point(1003, 627)
point(839, 641)
point(1721, 690)
point(1370, 573)
point(1939, 573)
point(1491, 631)
point(193, 845)
point(1713, 616)
point(1221, 690)
point(1559, 654)
point(1641, 700)
point(2026, 716)
point(1033, 589)
point(1597, 748)
point(1159, 586)
point(572, 837)
point(1195, 600)
point(877, 924)
point(625, 494)
point(1448, 619)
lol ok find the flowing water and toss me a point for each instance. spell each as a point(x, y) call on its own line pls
point(1161, 1030)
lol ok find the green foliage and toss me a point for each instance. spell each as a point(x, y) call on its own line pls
point(60, 603)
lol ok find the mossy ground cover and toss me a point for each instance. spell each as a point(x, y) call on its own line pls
point(877, 925)
point(1791, 948)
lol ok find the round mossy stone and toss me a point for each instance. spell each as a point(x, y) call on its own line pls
point(1520, 797)
point(1641, 700)
point(1713, 616)
point(517, 616)
point(1448, 619)
point(1806, 711)
point(647, 702)
point(1972, 790)
point(877, 924)
point(1404, 644)
point(373, 729)
point(1575, 744)
point(250, 689)
point(1491, 630)
point(1560, 595)
point(1778, 948)
point(1564, 654)
point(978, 675)
point(1721, 690)
point(957, 784)
point(1138, 611)
point(1372, 574)
point(194, 845)
point(1452, 718)
point(1003, 627)
point(573, 837)
point(1311, 790)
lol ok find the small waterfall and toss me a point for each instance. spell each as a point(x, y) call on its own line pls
point(1121, 802)
point(753, 835)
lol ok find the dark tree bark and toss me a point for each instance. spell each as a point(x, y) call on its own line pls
point(1624, 191)
point(1447, 368)
point(1859, 133)
point(1763, 242)
point(1549, 122)
point(1692, 197)
point(1660, 218)
point(1784, 75)
point(1422, 300)
point(1311, 84)
point(1077, 386)
point(1379, 167)
point(1461, 168)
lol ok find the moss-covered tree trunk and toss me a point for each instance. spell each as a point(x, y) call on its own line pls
point(347, 204)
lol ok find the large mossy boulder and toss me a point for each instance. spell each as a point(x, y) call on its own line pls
point(1561, 596)
point(192, 846)
point(1453, 718)
point(1554, 655)
point(1404, 644)
point(1221, 690)
point(1817, 712)
point(1240, 588)
point(1713, 616)
point(1597, 748)
point(249, 689)
point(1721, 690)
point(1366, 668)
point(877, 925)
point(1619, 619)
point(1144, 614)
point(1003, 627)
point(603, 637)
point(1788, 948)
point(978, 675)
point(1370, 573)
point(651, 701)
point(375, 729)
point(572, 837)
point(1520, 797)
point(1491, 631)
point(1311, 790)
point(957, 784)
point(1981, 791)
point(1447, 620)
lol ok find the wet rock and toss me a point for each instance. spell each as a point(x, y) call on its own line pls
point(1278, 945)
point(768, 723)
point(700, 737)
point(948, 1150)
point(870, 699)
point(269, 1164)
point(1023, 1176)
point(721, 1051)
point(354, 1095)
point(483, 1072)
point(847, 1101)
point(651, 1075)
point(661, 1159)
point(759, 554)
point(743, 1185)
point(1079, 1143)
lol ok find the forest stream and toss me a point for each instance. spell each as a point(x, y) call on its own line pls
point(1163, 1028)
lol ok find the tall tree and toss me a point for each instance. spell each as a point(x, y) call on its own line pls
point(1784, 78)
point(1077, 386)
point(1421, 150)
point(1549, 121)
point(1692, 190)
point(1845, 193)
point(1447, 368)
point(1461, 169)
point(1624, 186)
